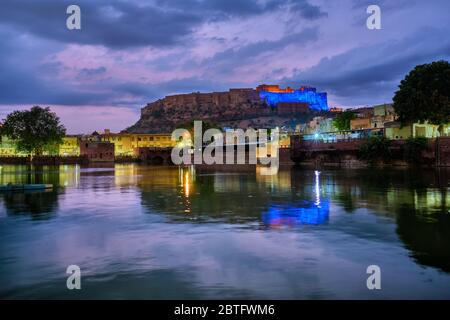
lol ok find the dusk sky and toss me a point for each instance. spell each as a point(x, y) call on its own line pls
point(131, 52)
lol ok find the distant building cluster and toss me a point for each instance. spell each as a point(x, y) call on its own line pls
point(98, 147)
point(304, 109)
point(380, 117)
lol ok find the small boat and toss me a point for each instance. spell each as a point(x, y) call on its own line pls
point(21, 187)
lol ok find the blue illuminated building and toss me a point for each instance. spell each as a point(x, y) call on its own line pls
point(273, 95)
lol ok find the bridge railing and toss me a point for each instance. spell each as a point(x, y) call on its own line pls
point(343, 135)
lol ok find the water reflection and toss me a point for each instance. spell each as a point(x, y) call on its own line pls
point(38, 204)
point(140, 219)
point(299, 214)
point(427, 236)
point(302, 213)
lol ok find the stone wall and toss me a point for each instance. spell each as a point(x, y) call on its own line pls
point(154, 155)
point(443, 151)
point(309, 151)
point(291, 108)
point(97, 151)
point(233, 97)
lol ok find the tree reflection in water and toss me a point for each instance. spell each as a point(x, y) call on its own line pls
point(417, 201)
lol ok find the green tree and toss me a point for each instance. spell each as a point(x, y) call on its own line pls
point(35, 130)
point(424, 94)
point(375, 148)
point(342, 120)
point(414, 147)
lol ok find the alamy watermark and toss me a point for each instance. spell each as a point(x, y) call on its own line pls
point(74, 280)
point(232, 147)
point(373, 22)
point(374, 280)
point(73, 22)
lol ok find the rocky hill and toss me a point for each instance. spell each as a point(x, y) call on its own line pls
point(236, 108)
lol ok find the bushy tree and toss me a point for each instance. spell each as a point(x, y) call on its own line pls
point(414, 147)
point(375, 148)
point(424, 94)
point(342, 120)
point(35, 130)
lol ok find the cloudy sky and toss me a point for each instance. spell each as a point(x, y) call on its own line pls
point(131, 52)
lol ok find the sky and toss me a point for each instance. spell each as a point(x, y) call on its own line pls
point(129, 53)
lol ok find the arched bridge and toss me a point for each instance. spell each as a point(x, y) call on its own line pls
point(158, 156)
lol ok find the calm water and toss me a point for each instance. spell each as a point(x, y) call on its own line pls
point(160, 232)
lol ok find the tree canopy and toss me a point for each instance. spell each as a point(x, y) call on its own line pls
point(35, 130)
point(342, 120)
point(424, 94)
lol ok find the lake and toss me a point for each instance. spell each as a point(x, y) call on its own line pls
point(149, 232)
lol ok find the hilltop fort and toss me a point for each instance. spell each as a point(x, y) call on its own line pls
point(265, 106)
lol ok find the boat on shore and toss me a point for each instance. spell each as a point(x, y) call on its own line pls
point(25, 187)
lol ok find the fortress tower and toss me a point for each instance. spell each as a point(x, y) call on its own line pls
point(273, 95)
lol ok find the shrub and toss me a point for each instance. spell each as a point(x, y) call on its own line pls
point(375, 148)
point(413, 149)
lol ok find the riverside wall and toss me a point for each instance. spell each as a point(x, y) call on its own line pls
point(346, 153)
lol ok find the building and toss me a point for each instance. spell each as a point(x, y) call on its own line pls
point(97, 151)
point(8, 147)
point(233, 96)
point(373, 117)
point(394, 130)
point(382, 114)
point(70, 146)
point(384, 110)
point(320, 124)
point(123, 143)
point(273, 88)
point(273, 95)
point(126, 144)
point(361, 123)
point(154, 140)
point(336, 110)
point(365, 112)
point(290, 108)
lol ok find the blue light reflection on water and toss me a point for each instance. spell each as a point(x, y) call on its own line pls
point(304, 212)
